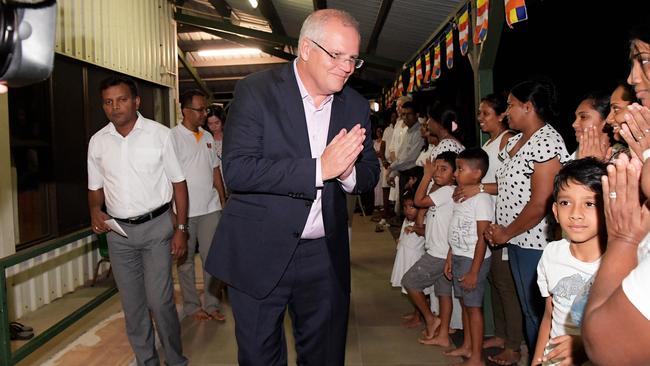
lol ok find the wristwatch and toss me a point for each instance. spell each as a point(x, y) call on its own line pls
point(183, 227)
point(481, 188)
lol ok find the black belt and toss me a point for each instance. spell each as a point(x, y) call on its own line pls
point(146, 217)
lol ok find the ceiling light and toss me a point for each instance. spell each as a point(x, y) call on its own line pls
point(233, 52)
point(253, 3)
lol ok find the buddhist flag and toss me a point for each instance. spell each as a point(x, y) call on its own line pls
point(436, 60)
point(400, 86)
point(515, 11)
point(480, 33)
point(449, 46)
point(427, 66)
point(418, 71)
point(463, 30)
point(411, 80)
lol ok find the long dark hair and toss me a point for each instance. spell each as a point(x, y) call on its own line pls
point(542, 95)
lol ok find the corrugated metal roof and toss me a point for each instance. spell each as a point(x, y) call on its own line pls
point(364, 11)
point(292, 13)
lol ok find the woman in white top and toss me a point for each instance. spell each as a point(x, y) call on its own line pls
point(530, 161)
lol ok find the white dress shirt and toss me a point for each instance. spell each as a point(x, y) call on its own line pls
point(318, 123)
point(136, 171)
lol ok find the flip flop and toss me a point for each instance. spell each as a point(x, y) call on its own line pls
point(17, 334)
point(23, 327)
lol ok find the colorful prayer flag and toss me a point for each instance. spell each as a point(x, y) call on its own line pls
point(480, 32)
point(400, 86)
point(436, 60)
point(449, 46)
point(463, 31)
point(427, 66)
point(515, 11)
point(411, 80)
point(418, 71)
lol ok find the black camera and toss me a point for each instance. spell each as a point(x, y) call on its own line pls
point(27, 34)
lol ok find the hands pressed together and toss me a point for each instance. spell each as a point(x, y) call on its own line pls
point(338, 158)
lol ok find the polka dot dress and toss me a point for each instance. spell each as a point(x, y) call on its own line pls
point(447, 145)
point(513, 179)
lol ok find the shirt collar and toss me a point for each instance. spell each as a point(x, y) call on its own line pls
point(303, 91)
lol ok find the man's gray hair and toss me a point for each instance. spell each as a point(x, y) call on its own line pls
point(314, 26)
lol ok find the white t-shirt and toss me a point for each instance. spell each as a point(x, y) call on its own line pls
point(136, 171)
point(563, 276)
point(437, 221)
point(462, 230)
point(635, 285)
point(198, 160)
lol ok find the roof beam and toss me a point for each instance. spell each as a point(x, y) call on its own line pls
point(320, 4)
point(254, 43)
point(268, 11)
point(222, 8)
point(236, 62)
point(195, 75)
point(212, 25)
point(379, 25)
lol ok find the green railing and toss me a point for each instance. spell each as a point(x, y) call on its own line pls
point(6, 356)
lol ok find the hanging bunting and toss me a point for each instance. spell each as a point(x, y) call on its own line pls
point(427, 66)
point(480, 32)
point(418, 71)
point(411, 80)
point(449, 46)
point(400, 86)
point(436, 60)
point(463, 30)
point(515, 11)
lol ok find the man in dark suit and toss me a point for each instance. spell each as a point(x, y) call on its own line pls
point(294, 144)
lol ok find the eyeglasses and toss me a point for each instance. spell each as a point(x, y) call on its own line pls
point(337, 57)
point(200, 110)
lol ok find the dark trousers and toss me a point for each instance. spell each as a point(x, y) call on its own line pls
point(317, 305)
point(505, 303)
point(523, 263)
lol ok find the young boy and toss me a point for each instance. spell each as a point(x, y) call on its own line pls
point(470, 259)
point(410, 245)
point(567, 266)
point(429, 269)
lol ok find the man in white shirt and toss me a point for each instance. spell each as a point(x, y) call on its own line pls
point(194, 148)
point(132, 168)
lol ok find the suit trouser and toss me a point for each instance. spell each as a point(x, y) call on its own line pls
point(201, 229)
point(142, 266)
point(505, 303)
point(318, 307)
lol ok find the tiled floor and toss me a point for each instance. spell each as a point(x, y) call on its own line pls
point(375, 335)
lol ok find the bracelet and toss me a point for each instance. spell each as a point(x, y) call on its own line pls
point(646, 155)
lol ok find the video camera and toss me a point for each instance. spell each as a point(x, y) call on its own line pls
point(27, 34)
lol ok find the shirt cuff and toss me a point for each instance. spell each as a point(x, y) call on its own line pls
point(350, 182)
point(319, 174)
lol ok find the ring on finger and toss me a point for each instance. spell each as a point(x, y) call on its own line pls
point(612, 194)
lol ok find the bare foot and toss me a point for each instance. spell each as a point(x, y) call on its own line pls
point(507, 357)
point(494, 342)
point(413, 323)
point(430, 330)
point(441, 340)
point(216, 315)
point(459, 352)
point(200, 315)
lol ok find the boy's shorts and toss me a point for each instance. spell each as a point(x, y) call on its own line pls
point(427, 271)
point(459, 267)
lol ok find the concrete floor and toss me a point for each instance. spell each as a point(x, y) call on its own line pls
point(375, 333)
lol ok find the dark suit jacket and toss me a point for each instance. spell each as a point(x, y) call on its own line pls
point(268, 166)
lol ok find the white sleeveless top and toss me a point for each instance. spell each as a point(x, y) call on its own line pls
point(492, 149)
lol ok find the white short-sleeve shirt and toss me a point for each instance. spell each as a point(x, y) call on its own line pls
point(563, 276)
point(437, 221)
point(635, 285)
point(463, 233)
point(136, 171)
point(198, 159)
